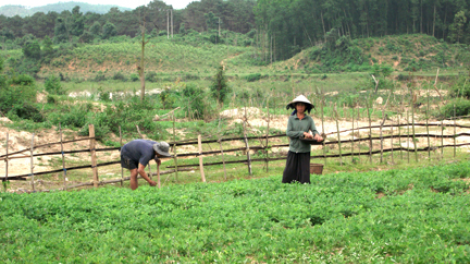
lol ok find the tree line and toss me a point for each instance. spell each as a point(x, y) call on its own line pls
point(234, 15)
point(283, 27)
point(291, 25)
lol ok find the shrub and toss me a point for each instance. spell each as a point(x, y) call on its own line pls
point(26, 111)
point(119, 76)
point(100, 77)
point(252, 77)
point(151, 77)
point(53, 86)
point(461, 88)
point(462, 108)
point(134, 77)
point(196, 105)
point(168, 98)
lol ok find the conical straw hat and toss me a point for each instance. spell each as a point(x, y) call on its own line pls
point(300, 99)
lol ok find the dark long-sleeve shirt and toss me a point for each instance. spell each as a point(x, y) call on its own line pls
point(296, 129)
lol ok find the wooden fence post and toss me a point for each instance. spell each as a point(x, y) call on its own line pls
point(223, 158)
point(391, 142)
point(408, 135)
point(267, 139)
point(120, 143)
point(381, 137)
point(63, 158)
point(455, 132)
point(201, 164)
point(91, 130)
point(32, 162)
point(413, 129)
point(370, 132)
point(399, 136)
point(322, 103)
point(352, 133)
point(442, 136)
point(246, 144)
point(174, 149)
point(339, 137)
point(427, 130)
point(6, 161)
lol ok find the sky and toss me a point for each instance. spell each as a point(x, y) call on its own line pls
point(177, 4)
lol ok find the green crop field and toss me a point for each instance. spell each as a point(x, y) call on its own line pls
point(397, 216)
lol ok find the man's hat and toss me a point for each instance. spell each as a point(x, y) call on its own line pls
point(301, 99)
point(162, 148)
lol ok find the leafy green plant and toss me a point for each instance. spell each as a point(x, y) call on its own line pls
point(53, 86)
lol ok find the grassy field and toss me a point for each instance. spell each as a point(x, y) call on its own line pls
point(397, 216)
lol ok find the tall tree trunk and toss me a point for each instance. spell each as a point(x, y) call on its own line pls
point(434, 21)
point(444, 27)
point(346, 21)
point(421, 21)
point(323, 23)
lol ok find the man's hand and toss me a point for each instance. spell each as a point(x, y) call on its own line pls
point(158, 161)
point(318, 138)
point(152, 183)
point(307, 135)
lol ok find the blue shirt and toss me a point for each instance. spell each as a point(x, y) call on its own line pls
point(140, 150)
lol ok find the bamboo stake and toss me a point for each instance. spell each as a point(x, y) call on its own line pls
point(6, 161)
point(427, 131)
point(322, 101)
point(455, 132)
point(359, 135)
point(399, 136)
point(414, 131)
point(91, 130)
point(63, 159)
point(201, 164)
point(370, 132)
point(352, 133)
point(32, 162)
point(159, 185)
point(408, 134)
point(442, 136)
point(223, 159)
point(246, 144)
point(174, 149)
point(391, 143)
point(339, 137)
point(381, 137)
point(120, 144)
point(267, 139)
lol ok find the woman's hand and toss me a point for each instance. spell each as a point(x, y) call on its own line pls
point(318, 138)
point(307, 135)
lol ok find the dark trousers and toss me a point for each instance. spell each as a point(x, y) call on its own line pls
point(297, 168)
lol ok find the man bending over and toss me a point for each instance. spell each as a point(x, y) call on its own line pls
point(136, 154)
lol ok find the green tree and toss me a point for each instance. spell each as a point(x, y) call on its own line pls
point(86, 37)
point(61, 34)
point(211, 21)
point(47, 49)
point(219, 87)
point(78, 24)
point(457, 31)
point(32, 50)
point(95, 29)
point(53, 86)
point(109, 30)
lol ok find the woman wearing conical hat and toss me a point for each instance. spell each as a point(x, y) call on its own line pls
point(298, 126)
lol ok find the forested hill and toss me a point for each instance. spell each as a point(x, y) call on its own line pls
point(282, 28)
point(22, 11)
